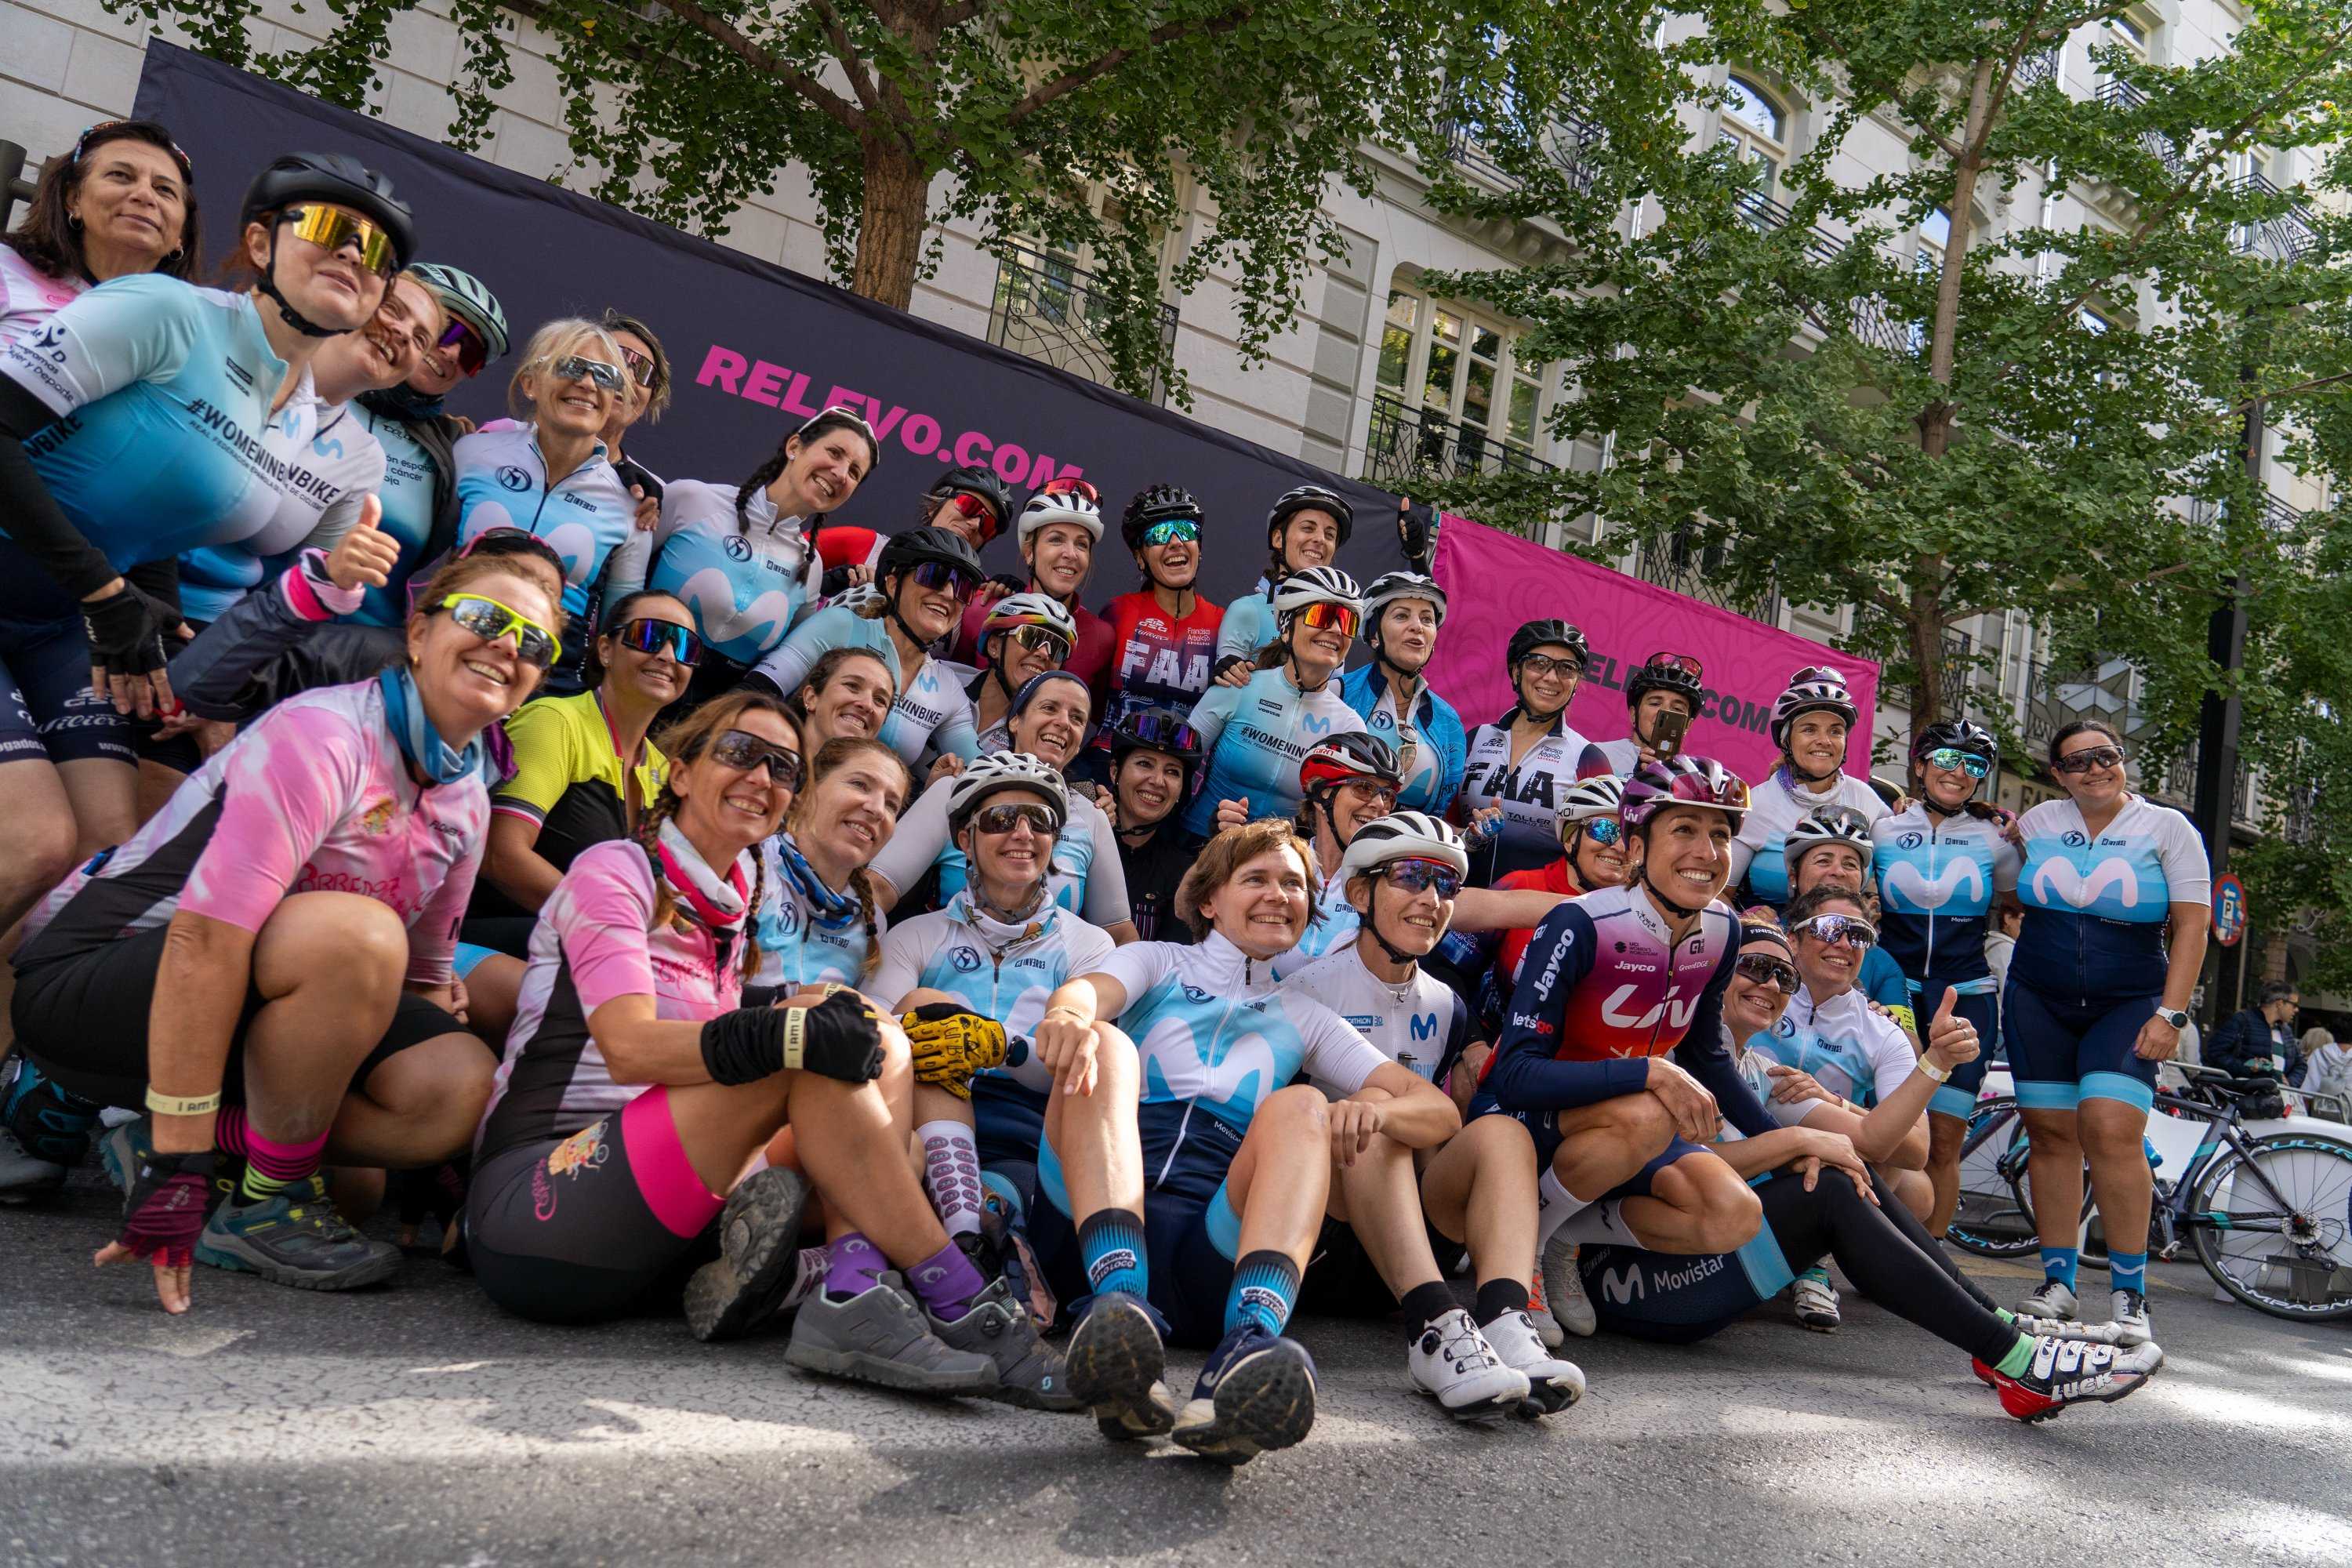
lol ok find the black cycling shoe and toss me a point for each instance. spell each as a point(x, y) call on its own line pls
point(1116, 1364)
point(758, 1249)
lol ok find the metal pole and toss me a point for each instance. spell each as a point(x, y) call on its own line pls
point(14, 185)
point(2216, 732)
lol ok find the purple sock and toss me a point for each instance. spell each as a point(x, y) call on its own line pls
point(946, 1282)
point(855, 1266)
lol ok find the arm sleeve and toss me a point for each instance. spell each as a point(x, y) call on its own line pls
point(35, 519)
point(600, 911)
point(900, 967)
point(283, 788)
point(1456, 751)
point(433, 934)
point(1209, 715)
point(787, 664)
point(1458, 1035)
point(1524, 1074)
point(1107, 900)
point(1742, 853)
point(918, 842)
point(1704, 1055)
point(546, 760)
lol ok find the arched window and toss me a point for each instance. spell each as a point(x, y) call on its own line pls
point(1755, 128)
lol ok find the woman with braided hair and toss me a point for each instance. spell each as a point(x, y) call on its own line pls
point(820, 921)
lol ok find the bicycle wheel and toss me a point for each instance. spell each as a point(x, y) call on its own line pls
point(2273, 1226)
point(1995, 1215)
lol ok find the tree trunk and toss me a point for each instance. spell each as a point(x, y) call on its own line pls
point(891, 226)
point(1936, 419)
point(1925, 629)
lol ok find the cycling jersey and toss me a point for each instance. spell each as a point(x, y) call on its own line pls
point(1554, 878)
point(570, 783)
point(165, 439)
point(2095, 910)
point(1433, 770)
point(1217, 1031)
point(1334, 925)
point(1605, 987)
point(999, 971)
point(597, 941)
point(1086, 874)
point(1154, 869)
point(838, 547)
point(1850, 1050)
point(802, 945)
point(315, 795)
point(1776, 805)
point(588, 517)
point(1528, 791)
point(1936, 879)
point(1253, 736)
point(931, 709)
point(1422, 1025)
point(1158, 660)
point(746, 581)
point(29, 296)
point(1619, 757)
point(411, 496)
point(346, 466)
point(1248, 623)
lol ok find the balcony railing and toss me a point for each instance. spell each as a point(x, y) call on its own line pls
point(2055, 702)
point(2036, 69)
point(2124, 96)
point(1960, 677)
point(1682, 565)
point(1871, 320)
point(2176, 781)
point(2286, 237)
point(1050, 308)
point(1567, 145)
point(2277, 515)
point(1407, 444)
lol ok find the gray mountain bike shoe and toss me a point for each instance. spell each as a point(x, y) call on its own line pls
point(881, 1336)
point(998, 1327)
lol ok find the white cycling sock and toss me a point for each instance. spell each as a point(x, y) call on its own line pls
point(1598, 1223)
point(951, 1174)
point(1554, 1206)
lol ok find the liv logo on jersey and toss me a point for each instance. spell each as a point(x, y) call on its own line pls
point(1677, 1013)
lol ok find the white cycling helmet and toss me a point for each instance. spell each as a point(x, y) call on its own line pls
point(1070, 507)
point(1402, 836)
point(1814, 689)
point(1030, 609)
point(1836, 824)
point(1391, 587)
point(1317, 585)
point(993, 772)
point(1602, 794)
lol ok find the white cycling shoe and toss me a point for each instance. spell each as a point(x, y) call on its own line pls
point(1453, 1363)
point(1816, 1300)
point(1563, 1289)
point(1553, 1385)
point(2128, 1312)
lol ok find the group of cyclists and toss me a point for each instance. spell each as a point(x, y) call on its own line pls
point(686, 899)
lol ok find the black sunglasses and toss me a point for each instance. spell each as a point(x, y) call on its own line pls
point(742, 750)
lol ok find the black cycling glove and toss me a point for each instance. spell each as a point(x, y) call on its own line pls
point(126, 630)
point(840, 1037)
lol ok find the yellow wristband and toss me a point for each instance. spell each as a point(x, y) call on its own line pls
point(177, 1105)
point(1941, 1075)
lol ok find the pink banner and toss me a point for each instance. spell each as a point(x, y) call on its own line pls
point(1494, 582)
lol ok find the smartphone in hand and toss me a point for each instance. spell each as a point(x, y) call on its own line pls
point(1666, 732)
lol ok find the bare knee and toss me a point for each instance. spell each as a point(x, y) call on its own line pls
point(36, 850)
point(1501, 1149)
point(1724, 1212)
point(1945, 1136)
point(1299, 1111)
point(1640, 1122)
point(924, 996)
point(342, 941)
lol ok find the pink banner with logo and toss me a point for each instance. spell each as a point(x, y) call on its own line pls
point(1494, 582)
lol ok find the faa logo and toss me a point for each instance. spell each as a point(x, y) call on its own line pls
point(738, 548)
point(965, 960)
point(514, 477)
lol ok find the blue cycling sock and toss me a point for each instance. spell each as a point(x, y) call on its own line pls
point(1264, 1289)
point(1111, 1242)
point(2059, 1263)
point(2129, 1272)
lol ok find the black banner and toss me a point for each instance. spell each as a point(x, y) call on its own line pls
point(755, 349)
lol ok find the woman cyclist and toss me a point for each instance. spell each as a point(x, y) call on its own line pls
point(642, 401)
point(2116, 893)
point(1665, 687)
point(549, 475)
point(1941, 863)
point(821, 921)
point(1403, 613)
point(847, 695)
point(739, 556)
point(265, 966)
point(1305, 531)
point(1593, 857)
point(1255, 733)
point(926, 577)
point(96, 511)
point(1154, 757)
point(1048, 722)
point(971, 502)
point(1833, 847)
point(1058, 530)
point(1020, 638)
point(1520, 765)
point(419, 439)
point(1163, 634)
point(123, 202)
point(1810, 721)
point(636, 1089)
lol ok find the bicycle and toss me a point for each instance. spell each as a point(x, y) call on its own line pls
point(2269, 1215)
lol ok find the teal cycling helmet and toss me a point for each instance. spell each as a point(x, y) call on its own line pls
point(462, 295)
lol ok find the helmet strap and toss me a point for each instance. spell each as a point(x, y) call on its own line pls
point(1788, 761)
point(900, 621)
point(266, 285)
point(1650, 886)
point(1370, 924)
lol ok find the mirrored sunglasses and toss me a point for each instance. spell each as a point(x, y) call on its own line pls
point(576, 367)
point(1766, 970)
point(1835, 928)
point(465, 346)
point(1041, 640)
point(1324, 615)
point(642, 367)
point(935, 575)
point(333, 229)
point(2090, 760)
point(1424, 876)
point(1175, 530)
point(1000, 819)
point(649, 636)
point(1951, 758)
point(1069, 485)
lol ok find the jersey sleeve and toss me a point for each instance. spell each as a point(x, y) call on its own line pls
point(131, 329)
point(1891, 1061)
point(918, 842)
point(1524, 1073)
point(1237, 633)
point(900, 969)
point(2188, 873)
point(957, 734)
point(284, 785)
point(1883, 982)
point(546, 760)
point(1137, 967)
point(2007, 860)
point(625, 567)
point(1707, 1055)
point(787, 664)
point(433, 934)
point(600, 911)
point(1090, 948)
point(1106, 900)
point(1210, 714)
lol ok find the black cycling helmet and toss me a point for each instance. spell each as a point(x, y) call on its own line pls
point(1536, 634)
point(1306, 498)
point(917, 545)
point(1665, 672)
point(1155, 503)
point(1961, 735)
point(971, 479)
point(1149, 729)
point(332, 177)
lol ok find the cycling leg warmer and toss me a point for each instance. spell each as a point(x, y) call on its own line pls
point(1883, 1264)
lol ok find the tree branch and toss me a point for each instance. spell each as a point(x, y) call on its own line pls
point(723, 33)
point(2299, 387)
point(1103, 65)
point(2006, 74)
point(847, 57)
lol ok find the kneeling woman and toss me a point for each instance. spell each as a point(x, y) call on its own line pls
point(278, 938)
point(636, 1091)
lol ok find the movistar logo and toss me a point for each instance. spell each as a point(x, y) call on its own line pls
point(2061, 878)
point(1620, 1286)
point(1912, 886)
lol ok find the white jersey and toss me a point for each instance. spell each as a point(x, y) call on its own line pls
point(798, 944)
point(1774, 807)
point(999, 971)
point(1334, 925)
point(1528, 791)
point(1422, 1025)
point(1850, 1050)
point(1086, 875)
point(29, 296)
point(1619, 757)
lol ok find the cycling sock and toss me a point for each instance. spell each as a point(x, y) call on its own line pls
point(229, 1131)
point(852, 1265)
point(1598, 1223)
point(1424, 1304)
point(815, 1263)
point(271, 1167)
point(2059, 1263)
point(2127, 1271)
point(1500, 1297)
point(946, 1282)
point(1265, 1289)
point(1110, 1241)
point(1817, 1274)
point(2019, 1357)
point(951, 1174)
point(1554, 1204)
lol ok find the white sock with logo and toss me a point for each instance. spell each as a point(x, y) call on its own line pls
point(1555, 1205)
point(1600, 1223)
point(951, 1174)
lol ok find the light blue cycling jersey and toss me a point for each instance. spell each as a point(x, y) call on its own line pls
point(1214, 1030)
point(344, 455)
point(1253, 736)
point(998, 969)
point(1334, 925)
point(409, 484)
point(585, 516)
point(1086, 876)
point(1248, 625)
point(746, 581)
point(165, 440)
point(1936, 879)
point(1850, 1050)
point(2095, 910)
point(931, 709)
point(798, 944)
point(1759, 854)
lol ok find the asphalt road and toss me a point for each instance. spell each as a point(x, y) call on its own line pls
point(416, 1425)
